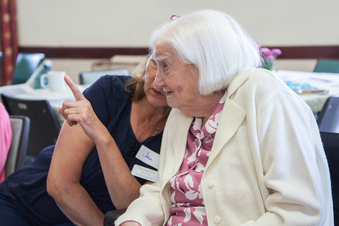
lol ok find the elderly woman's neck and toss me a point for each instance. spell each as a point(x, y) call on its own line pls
point(206, 106)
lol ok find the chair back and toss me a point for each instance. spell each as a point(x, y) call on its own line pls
point(327, 66)
point(17, 152)
point(89, 77)
point(331, 147)
point(44, 128)
point(328, 119)
point(25, 65)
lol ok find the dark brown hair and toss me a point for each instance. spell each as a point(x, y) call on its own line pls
point(135, 85)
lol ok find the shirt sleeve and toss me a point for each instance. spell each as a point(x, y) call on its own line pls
point(5, 139)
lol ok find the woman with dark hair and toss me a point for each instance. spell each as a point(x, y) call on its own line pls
point(101, 158)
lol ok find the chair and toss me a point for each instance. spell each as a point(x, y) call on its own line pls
point(112, 215)
point(327, 66)
point(45, 127)
point(25, 65)
point(331, 147)
point(89, 77)
point(328, 119)
point(17, 152)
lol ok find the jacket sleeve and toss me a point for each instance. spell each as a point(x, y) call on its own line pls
point(147, 209)
point(295, 169)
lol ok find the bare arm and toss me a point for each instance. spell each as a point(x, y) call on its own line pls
point(63, 182)
point(77, 138)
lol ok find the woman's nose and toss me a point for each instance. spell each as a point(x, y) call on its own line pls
point(158, 81)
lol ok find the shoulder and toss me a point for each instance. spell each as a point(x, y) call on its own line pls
point(260, 86)
point(3, 111)
point(261, 80)
point(112, 80)
point(4, 117)
point(109, 85)
point(108, 96)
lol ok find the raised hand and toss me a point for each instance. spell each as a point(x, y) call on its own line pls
point(81, 112)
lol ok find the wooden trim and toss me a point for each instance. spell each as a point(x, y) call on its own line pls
point(308, 52)
point(288, 52)
point(83, 52)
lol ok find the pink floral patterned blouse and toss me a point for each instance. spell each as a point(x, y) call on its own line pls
point(187, 201)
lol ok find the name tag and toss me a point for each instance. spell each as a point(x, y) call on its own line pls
point(144, 173)
point(148, 156)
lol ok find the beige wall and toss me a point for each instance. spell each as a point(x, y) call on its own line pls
point(129, 23)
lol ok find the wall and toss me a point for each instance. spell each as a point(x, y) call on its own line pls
point(129, 23)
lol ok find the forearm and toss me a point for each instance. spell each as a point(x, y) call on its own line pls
point(122, 185)
point(77, 205)
point(71, 151)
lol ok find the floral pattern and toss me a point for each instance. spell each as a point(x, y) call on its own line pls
point(187, 200)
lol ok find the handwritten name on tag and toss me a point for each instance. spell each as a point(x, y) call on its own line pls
point(144, 173)
point(148, 156)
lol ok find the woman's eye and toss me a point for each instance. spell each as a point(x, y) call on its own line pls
point(164, 66)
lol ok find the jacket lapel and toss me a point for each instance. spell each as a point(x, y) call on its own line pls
point(230, 121)
point(179, 141)
point(232, 116)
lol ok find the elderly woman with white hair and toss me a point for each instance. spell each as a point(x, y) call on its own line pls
point(239, 147)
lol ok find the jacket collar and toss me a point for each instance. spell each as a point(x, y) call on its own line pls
point(238, 80)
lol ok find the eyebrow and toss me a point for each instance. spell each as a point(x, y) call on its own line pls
point(162, 57)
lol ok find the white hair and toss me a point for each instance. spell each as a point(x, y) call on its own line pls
point(212, 41)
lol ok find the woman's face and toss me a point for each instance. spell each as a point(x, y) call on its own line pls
point(178, 80)
point(155, 96)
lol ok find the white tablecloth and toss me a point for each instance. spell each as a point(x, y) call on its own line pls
point(321, 81)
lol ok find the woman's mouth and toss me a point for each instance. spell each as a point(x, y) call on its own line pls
point(168, 93)
point(157, 93)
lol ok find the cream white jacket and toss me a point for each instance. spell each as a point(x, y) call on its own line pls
point(267, 165)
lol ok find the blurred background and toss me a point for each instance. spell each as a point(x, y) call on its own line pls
point(75, 34)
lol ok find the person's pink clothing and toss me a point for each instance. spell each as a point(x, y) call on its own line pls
point(5, 139)
point(187, 200)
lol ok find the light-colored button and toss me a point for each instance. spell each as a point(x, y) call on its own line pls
point(210, 183)
point(217, 219)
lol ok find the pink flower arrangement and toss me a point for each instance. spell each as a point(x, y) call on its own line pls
point(269, 55)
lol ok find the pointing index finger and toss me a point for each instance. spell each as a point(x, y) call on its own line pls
point(76, 92)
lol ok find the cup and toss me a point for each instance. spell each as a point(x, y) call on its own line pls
point(55, 81)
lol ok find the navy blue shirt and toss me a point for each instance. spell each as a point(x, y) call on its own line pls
point(26, 188)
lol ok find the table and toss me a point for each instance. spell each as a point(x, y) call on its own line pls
point(316, 101)
point(54, 98)
point(321, 81)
